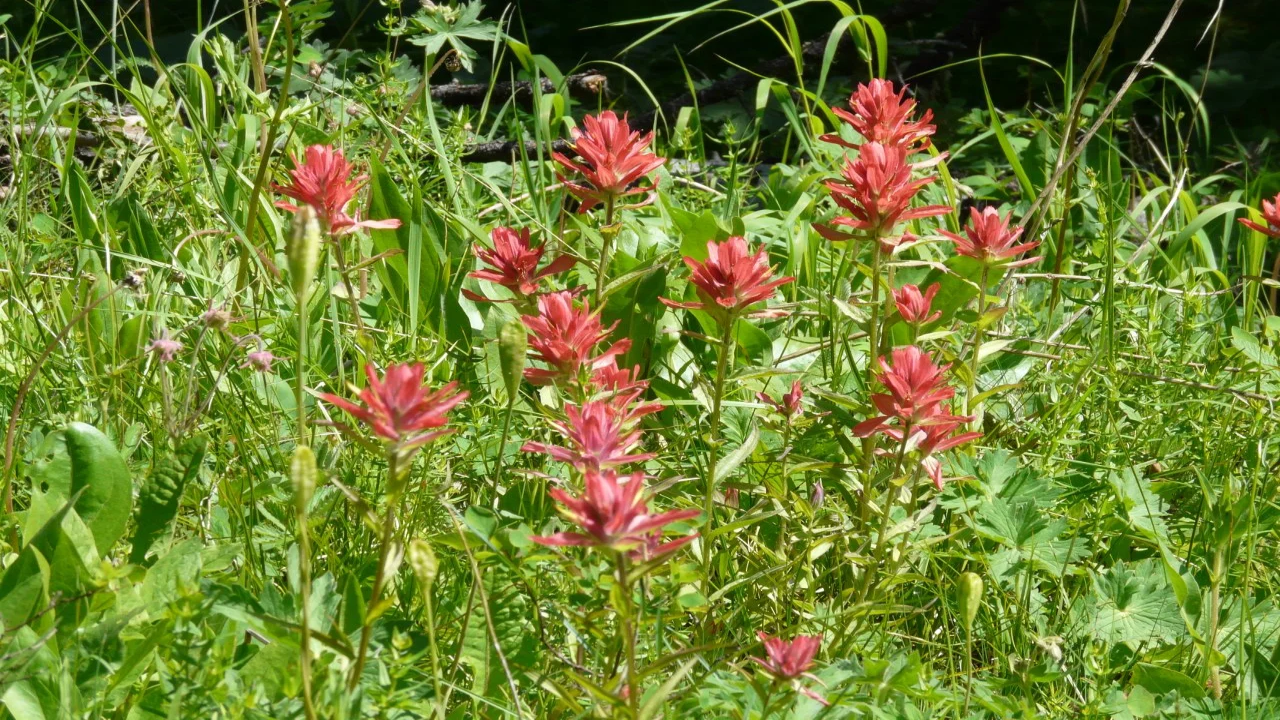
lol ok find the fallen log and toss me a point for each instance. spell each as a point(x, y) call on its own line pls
point(512, 150)
point(588, 85)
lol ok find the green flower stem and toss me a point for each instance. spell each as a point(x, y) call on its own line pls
point(626, 627)
point(606, 233)
point(873, 351)
point(970, 404)
point(304, 538)
point(435, 654)
point(708, 505)
point(379, 577)
point(877, 554)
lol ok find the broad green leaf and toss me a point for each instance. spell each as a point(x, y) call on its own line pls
point(1161, 680)
point(98, 470)
point(730, 462)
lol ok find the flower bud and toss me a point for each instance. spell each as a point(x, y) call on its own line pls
point(513, 344)
point(302, 469)
point(423, 561)
point(818, 495)
point(303, 249)
point(969, 589)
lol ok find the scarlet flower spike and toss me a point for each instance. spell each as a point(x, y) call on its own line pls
point(876, 192)
point(913, 306)
point(916, 387)
point(514, 260)
point(323, 181)
point(789, 405)
point(399, 408)
point(564, 336)
point(791, 659)
point(599, 435)
point(881, 115)
point(613, 514)
point(1271, 215)
point(731, 280)
point(989, 240)
point(613, 157)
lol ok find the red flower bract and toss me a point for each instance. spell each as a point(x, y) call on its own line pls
point(934, 439)
point(515, 260)
point(1270, 214)
point(613, 157)
point(989, 239)
point(612, 513)
point(731, 280)
point(564, 336)
point(599, 435)
point(883, 116)
point(913, 306)
point(399, 407)
point(323, 181)
point(790, 403)
point(916, 387)
point(876, 192)
point(611, 379)
point(789, 659)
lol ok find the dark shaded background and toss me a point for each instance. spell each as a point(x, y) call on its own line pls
point(1241, 93)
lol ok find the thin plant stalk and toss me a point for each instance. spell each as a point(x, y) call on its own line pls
point(708, 503)
point(380, 575)
point(304, 535)
point(607, 232)
point(435, 652)
point(970, 400)
point(627, 628)
point(502, 445)
point(873, 351)
point(891, 495)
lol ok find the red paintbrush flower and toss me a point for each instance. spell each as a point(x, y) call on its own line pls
point(599, 435)
point(613, 157)
point(564, 336)
point(515, 263)
point(1270, 214)
point(989, 239)
point(789, 659)
point(613, 514)
point(916, 387)
point(399, 407)
point(880, 115)
point(731, 280)
point(790, 403)
point(877, 191)
point(323, 181)
point(914, 307)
